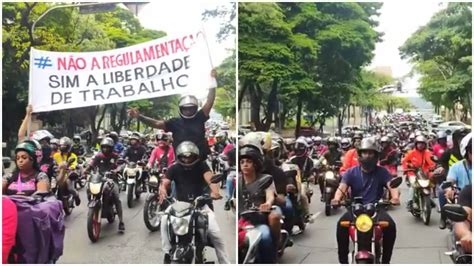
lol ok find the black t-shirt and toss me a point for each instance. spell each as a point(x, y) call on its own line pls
point(279, 177)
point(305, 164)
point(190, 130)
point(189, 183)
point(332, 156)
point(135, 153)
point(465, 196)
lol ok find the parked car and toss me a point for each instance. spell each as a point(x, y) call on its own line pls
point(451, 126)
point(436, 120)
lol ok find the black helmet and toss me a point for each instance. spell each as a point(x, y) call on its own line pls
point(107, 142)
point(188, 106)
point(459, 134)
point(253, 153)
point(187, 150)
point(114, 136)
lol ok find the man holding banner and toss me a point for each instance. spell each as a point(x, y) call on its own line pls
point(190, 125)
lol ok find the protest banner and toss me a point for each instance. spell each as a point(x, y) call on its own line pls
point(165, 66)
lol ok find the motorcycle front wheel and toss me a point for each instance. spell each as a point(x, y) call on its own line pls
point(93, 224)
point(426, 209)
point(130, 195)
point(327, 204)
point(150, 213)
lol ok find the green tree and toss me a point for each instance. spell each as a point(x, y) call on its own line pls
point(441, 51)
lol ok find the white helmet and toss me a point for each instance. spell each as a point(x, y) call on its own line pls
point(188, 101)
point(466, 143)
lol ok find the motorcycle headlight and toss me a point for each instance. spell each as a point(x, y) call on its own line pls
point(153, 180)
point(364, 223)
point(95, 188)
point(424, 182)
point(329, 175)
point(180, 224)
point(131, 172)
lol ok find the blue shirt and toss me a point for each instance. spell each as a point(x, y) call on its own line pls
point(118, 147)
point(460, 173)
point(369, 186)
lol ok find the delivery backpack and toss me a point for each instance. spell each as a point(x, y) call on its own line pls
point(40, 230)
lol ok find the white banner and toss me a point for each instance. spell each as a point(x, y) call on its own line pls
point(165, 66)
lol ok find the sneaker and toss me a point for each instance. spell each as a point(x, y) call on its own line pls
point(77, 200)
point(121, 227)
point(167, 259)
point(227, 206)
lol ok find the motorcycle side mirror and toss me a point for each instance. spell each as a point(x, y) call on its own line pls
point(395, 182)
point(454, 212)
point(217, 178)
point(446, 184)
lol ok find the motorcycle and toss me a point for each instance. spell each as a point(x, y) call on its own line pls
point(63, 194)
point(81, 165)
point(248, 245)
point(456, 213)
point(330, 183)
point(152, 209)
point(133, 173)
point(187, 224)
point(422, 195)
point(365, 231)
point(446, 185)
point(101, 204)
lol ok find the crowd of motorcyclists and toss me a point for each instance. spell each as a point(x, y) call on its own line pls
point(180, 155)
point(360, 170)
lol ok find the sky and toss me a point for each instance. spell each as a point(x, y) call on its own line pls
point(398, 21)
point(175, 17)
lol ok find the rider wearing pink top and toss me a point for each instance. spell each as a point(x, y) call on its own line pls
point(162, 148)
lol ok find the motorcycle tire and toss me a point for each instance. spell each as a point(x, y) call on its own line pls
point(111, 217)
point(327, 204)
point(80, 183)
point(426, 209)
point(93, 224)
point(130, 195)
point(146, 213)
point(66, 206)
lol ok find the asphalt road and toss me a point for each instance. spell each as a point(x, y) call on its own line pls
point(416, 243)
point(137, 244)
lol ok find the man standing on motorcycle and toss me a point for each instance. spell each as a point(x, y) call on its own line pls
point(251, 165)
point(68, 170)
point(367, 181)
point(193, 178)
point(460, 174)
point(190, 126)
point(419, 157)
point(350, 159)
point(77, 147)
point(388, 156)
point(106, 160)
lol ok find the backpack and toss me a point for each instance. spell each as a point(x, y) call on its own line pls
point(40, 234)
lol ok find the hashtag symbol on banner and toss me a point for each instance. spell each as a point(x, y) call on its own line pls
point(43, 62)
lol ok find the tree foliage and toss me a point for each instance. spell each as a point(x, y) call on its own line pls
point(441, 51)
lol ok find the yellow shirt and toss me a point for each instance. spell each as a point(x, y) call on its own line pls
point(59, 159)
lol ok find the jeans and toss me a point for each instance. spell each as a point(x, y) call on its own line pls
point(213, 231)
point(230, 185)
point(173, 189)
point(288, 210)
point(266, 250)
point(389, 235)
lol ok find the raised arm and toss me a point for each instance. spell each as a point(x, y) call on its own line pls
point(24, 125)
point(211, 96)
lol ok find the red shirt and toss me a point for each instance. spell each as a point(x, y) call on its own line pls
point(9, 223)
point(438, 150)
point(158, 152)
